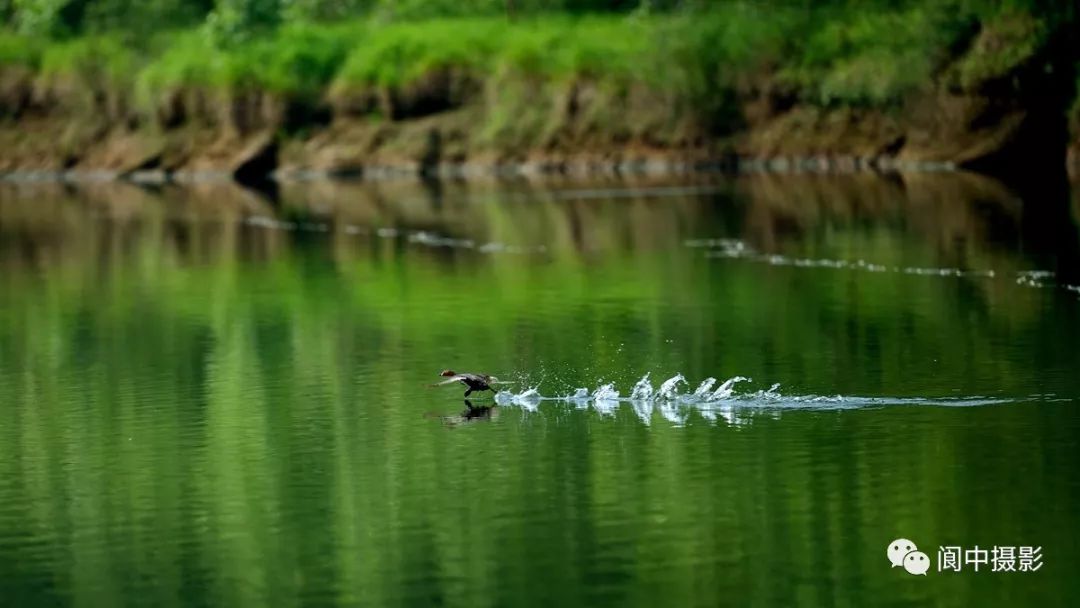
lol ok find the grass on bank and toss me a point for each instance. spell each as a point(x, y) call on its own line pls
point(298, 60)
point(831, 56)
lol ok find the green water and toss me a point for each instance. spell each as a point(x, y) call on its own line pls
point(212, 397)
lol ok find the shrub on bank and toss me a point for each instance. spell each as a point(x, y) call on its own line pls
point(662, 69)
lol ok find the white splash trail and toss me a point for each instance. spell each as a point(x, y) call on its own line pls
point(606, 399)
point(606, 392)
point(726, 389)
point(642, 391)
point(724, 402)
point(643, 409)
point(673, 413)
point(670, 388)
point(703, 389)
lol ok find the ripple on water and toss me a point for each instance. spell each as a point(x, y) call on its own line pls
point(735, 249)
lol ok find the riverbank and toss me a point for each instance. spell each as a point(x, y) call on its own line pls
point(742, 86)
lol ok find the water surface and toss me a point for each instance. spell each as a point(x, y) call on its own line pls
point(210, 396)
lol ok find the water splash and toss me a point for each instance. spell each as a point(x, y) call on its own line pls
point(529, 400)
point(606, 399)
point(772, 394)
point(1034, 278)
point(606, 392)
point(581, 394)
point(735, 249)
point(673, 413)
point(670, 388)
point(727, 388)
point(725, 403)
point(703, 389)
point(722, 410)
point(642, 391)
point(643, 409)
point(580, 399)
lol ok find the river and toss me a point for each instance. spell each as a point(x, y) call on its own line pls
point(718, 391)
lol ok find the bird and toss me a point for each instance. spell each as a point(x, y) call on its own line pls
point(475, 382)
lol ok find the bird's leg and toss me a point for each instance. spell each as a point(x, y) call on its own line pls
point(468, 392)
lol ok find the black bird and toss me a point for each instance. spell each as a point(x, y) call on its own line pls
point(475, 382)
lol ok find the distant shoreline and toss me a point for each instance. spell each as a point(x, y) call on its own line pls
point(735, 88)
point(584, 168)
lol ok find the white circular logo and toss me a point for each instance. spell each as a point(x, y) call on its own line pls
point(898, 549)
point(917, 562)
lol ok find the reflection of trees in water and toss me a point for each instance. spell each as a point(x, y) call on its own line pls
point(259, 437)
point(959, 215)
point(187, 249)
point(966, 219)
point(45, 225)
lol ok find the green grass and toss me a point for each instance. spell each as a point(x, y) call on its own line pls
point(874, 58)
point(623, 48)
point(20, 50)
point(298, 61)
point(688, 63)
point(1006, 42)
point(102, 61)
point(395, 55)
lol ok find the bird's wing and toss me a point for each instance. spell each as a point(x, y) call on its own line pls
point(450, 380)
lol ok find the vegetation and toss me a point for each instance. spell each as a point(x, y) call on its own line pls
point(665, 71)
point(839, 52)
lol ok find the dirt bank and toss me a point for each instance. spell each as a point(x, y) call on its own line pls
point(991, 136)
point(1008, 121)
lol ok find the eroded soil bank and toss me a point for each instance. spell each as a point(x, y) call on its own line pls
point(996, 105)
point(995, 136)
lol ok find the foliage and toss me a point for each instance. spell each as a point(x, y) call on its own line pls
point(19, 50)
point(874, 57)
point(61, 18)
point(1005, 43)
point(298, 60)
point(325, 10)
point(395, 54)
point(237, 20)
point(96, 58)
point(692, 57)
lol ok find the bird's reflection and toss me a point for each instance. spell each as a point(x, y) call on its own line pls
point(472, 413)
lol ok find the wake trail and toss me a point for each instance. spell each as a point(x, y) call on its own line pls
point(714, 401)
